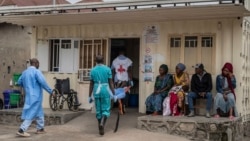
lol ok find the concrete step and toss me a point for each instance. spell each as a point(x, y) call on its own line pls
point(13, 116)
point(197, 128)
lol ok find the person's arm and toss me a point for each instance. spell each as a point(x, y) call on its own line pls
point(111, 83)
point(111, 86)
point(218, 85)
point(91, 87)
point(233, 80)
point(40, 78)
point(169, 84)
point(20, 81)
point(193, 87)
point(210, 85)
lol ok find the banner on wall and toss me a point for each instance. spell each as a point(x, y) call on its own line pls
point(151, 34)
point(148, 68)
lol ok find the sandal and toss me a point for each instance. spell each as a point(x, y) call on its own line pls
point(216, 116)
point(231, 117)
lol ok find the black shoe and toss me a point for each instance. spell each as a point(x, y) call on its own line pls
point(102, 124)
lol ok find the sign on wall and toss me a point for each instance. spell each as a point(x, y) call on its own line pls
point(148, 68)
point(151, 34)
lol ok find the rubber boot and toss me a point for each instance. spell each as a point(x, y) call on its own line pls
point(99, 127)
point(102, 125)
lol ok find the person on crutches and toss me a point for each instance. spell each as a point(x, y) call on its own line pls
point(101, 85)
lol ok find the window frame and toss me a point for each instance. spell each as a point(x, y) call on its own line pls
point(199, 49)
point(83, 70)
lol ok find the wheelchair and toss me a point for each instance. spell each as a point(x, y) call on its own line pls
point(63, 93)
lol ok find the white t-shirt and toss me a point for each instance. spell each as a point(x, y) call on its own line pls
point(121, 65)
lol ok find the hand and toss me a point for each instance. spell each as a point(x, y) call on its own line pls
point(225, 97)
point(231, 74)
point(202, 94)
point(53, 94)
point(90, 100)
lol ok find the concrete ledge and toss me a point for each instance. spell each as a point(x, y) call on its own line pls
point(196, 128)
point(13, 116)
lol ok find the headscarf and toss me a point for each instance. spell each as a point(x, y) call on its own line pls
point(164, 67)
point(181, 66)
point(229, 66)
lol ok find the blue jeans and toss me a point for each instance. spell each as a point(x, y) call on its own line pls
point(193, 95)
point(26, 123)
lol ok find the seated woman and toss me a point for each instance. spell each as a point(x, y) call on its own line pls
point(181, 78)
point(163, 84)
point(225, 98)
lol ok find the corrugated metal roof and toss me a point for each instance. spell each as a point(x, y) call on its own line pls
point(88, 1)
point(133, 12)
point(6, 2)
point(31, 2)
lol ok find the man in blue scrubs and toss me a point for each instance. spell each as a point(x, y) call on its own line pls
point(33, 81)
point(100, 85)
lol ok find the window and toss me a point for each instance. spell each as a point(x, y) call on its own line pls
point(175, 42)
point(207, 41)
point(190, 50)
point(191, 41)
point(175, 48)
point(88, 50)
point(63, 55)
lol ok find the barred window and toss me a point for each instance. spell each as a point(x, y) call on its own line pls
point(88, 50)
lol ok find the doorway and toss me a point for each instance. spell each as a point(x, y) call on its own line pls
point(131, 48)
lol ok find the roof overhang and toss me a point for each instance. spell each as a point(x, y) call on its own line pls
point(154, 12)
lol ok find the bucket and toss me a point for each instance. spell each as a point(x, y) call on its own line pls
point(15, 78)
point(133, 100)
point(14, 100)
point(6, 97)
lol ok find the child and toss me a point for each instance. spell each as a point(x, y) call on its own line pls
point(120, 93)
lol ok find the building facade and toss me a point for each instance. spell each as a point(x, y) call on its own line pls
point(65, 39)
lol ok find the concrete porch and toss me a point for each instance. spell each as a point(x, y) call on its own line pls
point(13, 116)
point(197, 128)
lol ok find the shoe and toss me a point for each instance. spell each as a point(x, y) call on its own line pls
point(40, 131)
point(21, 133)
point(208, 115)
point(191, 114)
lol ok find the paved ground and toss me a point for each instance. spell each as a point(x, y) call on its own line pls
point(84, 128)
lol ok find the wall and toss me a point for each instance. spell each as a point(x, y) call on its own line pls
point(14, 51)
point(227, 44)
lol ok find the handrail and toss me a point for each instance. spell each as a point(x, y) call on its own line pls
point(78, 6)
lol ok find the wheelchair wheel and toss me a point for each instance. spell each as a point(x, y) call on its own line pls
point(1, 104)
point(53, 101)
point(71, 103)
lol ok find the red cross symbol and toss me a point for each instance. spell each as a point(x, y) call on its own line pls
point(121, 69)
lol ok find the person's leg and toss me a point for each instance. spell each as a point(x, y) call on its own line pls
point(209, 98)
point(231, 105)
point(180, 96)
point(40, 125)
point(98, 108)
point(218, 104)
point(23, 128)
point(191, 97)
point(148, 103)
point(157, 104)
point(105, 110)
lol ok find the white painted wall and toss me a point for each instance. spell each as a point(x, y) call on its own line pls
point(228, 46)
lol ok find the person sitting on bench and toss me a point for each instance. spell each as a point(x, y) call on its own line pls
point(201, 86)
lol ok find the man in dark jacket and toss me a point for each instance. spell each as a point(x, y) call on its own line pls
point(201, 86)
